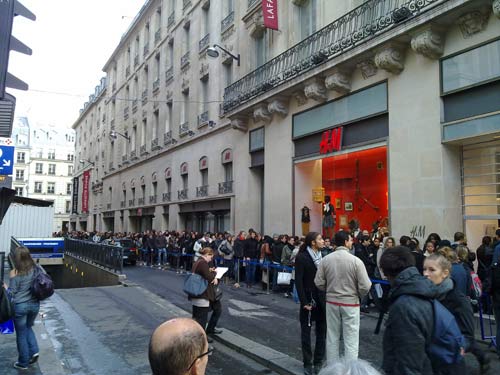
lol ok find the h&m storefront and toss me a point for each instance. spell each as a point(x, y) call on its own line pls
point(341, 158)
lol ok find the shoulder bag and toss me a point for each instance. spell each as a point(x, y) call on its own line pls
point(195, 285)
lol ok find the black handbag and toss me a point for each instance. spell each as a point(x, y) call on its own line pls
point(6, 306)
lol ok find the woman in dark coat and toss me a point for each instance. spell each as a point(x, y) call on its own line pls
point(207, 301)
point(312, 302)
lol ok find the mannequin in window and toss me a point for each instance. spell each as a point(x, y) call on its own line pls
point(328, 218)
point(305, 219)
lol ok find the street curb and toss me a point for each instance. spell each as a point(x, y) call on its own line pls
point(49, 363)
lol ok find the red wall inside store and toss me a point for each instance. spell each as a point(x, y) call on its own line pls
point(339, 181)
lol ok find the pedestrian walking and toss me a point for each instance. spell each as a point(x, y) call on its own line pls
point(346, 281)
point(26, 307)
point(312, 302)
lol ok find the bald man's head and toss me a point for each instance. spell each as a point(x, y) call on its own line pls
point(174, 345)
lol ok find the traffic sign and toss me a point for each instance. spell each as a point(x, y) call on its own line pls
point(6, 159)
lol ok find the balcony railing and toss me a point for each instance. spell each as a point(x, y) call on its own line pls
point(154, 143)
point(185, 59)
point(144, 96)
point(140, 201)
point(125, 113)
point(166, 197)
point(202, 191)
point(359, 25)
point(182, 194)
point(204, 43)
point(203, 119)
point(136, 60)
point(108, 206)
point(131, 202)
point(157, 36)
point(152, 199)
point(225, 187)
point(226, 22)
point(133, 155)
point(169, 75)
point(127, 71)
point(167, 138)
point(156, 84)
point(145, 49)
point(171, 19)
point(112, 124)
point(143, 150)
point(185, 4)
point(251, 3)
point(184, 129)
point(134, 105)
point(122, 204)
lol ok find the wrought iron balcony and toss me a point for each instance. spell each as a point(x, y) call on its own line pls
point(226, 187)
point(226, 22)
point(182, 194)
point(134, 105)
point(184, 129)
point(125, 113)
point(204, 43)
point(203, 119)
point(202, 191)
point(185, 5)
point(131, 202)
point(251, 3)
point(152, 199)
point(169, 75)
point(154, 144)
point(145, 49)
point(144, 97)
point(112, 124)
point(127, 71)
point(166, 197)
point(143, 150)
point(136, 60)
point(157, 36)
point(156, 84)
point(140, 201)
point(167, 138)
point(133, 155)
point(370, 19)
point(185, 59)
point(122, 204)
point(171, 19)
point(108, 206)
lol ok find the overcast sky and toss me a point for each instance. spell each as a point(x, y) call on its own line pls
point(71, 41)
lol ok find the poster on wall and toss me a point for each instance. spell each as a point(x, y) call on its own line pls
point(85, 191)
point(74, 203)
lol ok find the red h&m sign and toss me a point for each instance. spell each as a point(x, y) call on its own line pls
point(331, 140)
point(85, 191)
point(270, 11)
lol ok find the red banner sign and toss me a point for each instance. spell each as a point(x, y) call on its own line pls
point(270, 11)
point(85, 191)
point(331, 141)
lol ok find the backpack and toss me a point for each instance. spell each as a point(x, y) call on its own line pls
point(6, 306)
point(223, 249)
point(42, 286)
point(447, 341)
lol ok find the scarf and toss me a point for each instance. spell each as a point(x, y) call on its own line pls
point(315, 256)
point(444, 288)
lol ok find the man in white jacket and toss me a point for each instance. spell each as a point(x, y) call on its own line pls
point(344, 278)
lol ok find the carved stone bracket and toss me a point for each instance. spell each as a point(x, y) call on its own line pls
point(204, 69)
point(496, 8)
point(185, 85)
point(260, 113)
point(429, 43)
point(315, 89)
point(226, 58)
point(256, 26)
point(278, 105)
point(170, 95)
point(300, 97)
point(240, 123)
point(391, 58)
point(339, 81)
point(367, 67)
point(472, 23)
point(299, 3)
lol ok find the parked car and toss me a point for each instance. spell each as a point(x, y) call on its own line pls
point(130, 252)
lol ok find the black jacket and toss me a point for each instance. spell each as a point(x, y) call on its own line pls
point(251, 248)
point(238, 248)
point(458, 304)
point(368, 256)
point(409, 326)
point(277, 250)
point(305, 271)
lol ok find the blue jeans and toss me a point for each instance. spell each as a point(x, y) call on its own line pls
point(250, 272)
point(162, 256)
point(23, 322)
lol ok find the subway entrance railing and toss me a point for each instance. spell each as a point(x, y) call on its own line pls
point(110, 257)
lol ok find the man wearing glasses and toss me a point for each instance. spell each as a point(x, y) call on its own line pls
point(179, 346)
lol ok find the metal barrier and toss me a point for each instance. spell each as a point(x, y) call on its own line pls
point(107, 256)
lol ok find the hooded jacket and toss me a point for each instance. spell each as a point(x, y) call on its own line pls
point(410, 325)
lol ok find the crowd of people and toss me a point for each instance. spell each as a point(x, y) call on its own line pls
point(336, 279)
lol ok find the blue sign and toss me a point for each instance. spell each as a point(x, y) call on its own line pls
point(6, 159)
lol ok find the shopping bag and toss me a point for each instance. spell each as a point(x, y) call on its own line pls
point(295, 294)
point(7, 328)
point(379, 290)
point(284, 278)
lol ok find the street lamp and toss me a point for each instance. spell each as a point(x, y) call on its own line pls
point(114, 134)
point(83, 161)
point(212, 52)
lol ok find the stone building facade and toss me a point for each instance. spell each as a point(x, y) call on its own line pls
point(389, 108)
